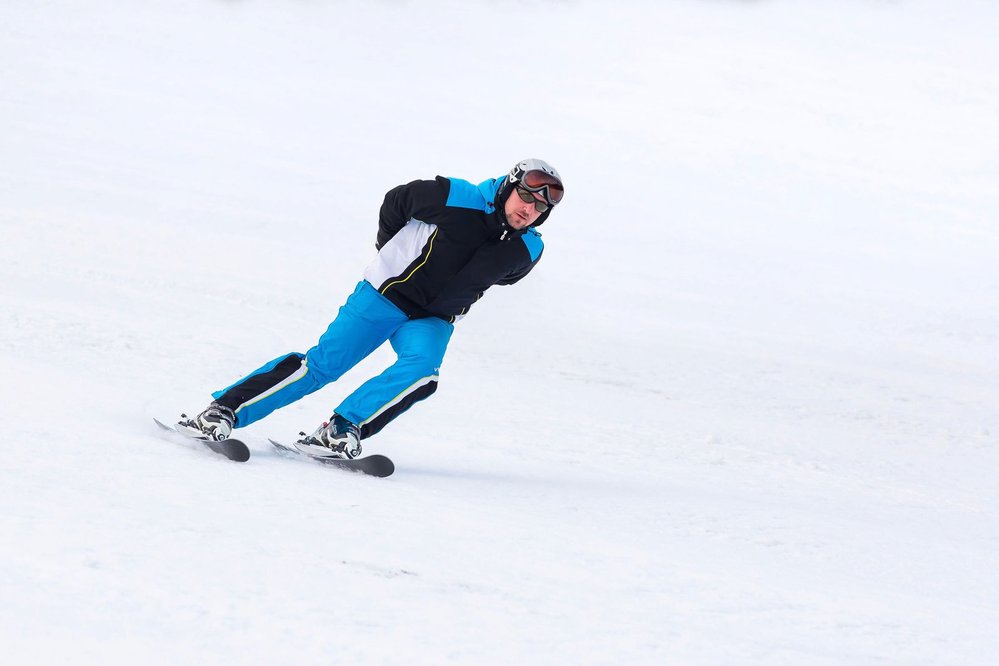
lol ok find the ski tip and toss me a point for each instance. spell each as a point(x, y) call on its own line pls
point(233, 449)
point(239, 453)
point(376, 465)
point(373, 465)
point(382, 464)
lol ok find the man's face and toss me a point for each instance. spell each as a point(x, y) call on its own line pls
point(521, 214)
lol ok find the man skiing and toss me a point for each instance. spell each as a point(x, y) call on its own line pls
point(441, 243)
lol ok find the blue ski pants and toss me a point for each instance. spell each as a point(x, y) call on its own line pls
point(364, 322)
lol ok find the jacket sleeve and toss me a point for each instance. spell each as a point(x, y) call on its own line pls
point(495, 263)
point(535, 248)
point(419, 199)
point(516, 275)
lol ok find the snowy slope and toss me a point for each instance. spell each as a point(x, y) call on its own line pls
point(744, 412)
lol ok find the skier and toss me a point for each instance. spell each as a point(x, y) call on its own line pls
point(441, 243)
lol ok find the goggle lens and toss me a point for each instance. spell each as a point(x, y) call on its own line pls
point(527, 197)
point(547, 184)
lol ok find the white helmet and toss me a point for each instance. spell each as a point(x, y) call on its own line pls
point(536, 175)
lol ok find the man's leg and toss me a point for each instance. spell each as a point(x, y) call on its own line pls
point(420, 345)
point(364, 322)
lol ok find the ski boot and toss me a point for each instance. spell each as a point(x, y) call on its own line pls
point(338, 438)
point(215, 423)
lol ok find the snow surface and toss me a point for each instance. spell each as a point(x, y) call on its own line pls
point(744, 412)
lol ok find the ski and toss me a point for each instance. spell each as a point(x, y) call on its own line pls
point(233, 449)
point(376, 465)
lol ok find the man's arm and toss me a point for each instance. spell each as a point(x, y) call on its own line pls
point(535, 247)
point(419, 199)
point(518, 274)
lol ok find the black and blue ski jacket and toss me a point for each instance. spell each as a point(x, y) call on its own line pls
point(441, 243)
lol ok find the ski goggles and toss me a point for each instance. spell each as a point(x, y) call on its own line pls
point(528, 197)
point(543, 183)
